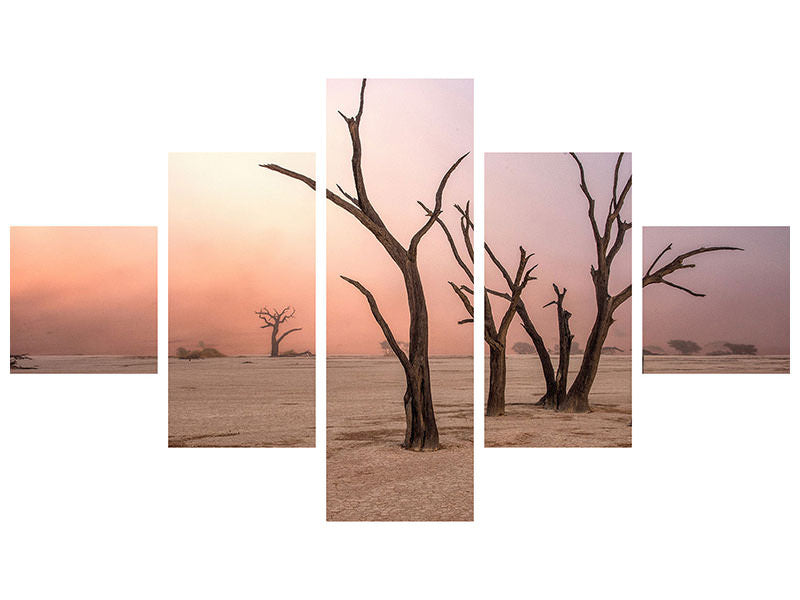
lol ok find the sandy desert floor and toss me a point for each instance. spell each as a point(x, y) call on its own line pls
point(524, 425)
point(369, 476)
point(89, 364)
point(245, 401)
point(716, 364)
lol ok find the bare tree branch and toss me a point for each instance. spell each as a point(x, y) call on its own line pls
point(616, 180)
point(346, 195)
point(290, 331)
point(502, 295)
point(437, 210)
point(585, 190)
point(463, 297)
point(466, 226)
point(677, 264)
point(353, 126)
point(452, 243)
point(333, 197)
point(662, 253)
point(274, 317)
point(680, 287)
point(387, 332)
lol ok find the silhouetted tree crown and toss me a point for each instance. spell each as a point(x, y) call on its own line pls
point(685, 346)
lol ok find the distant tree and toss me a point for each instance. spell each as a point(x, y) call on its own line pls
point(612, 350)
point(387, 348)
point(685, 346)
point(204, 352)
point(274, 319)
point(523, 348)
point(741, 348)
point(653, 350)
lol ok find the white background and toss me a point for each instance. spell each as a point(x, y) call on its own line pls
point(95, 96)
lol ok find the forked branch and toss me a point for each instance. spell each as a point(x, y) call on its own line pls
point(450, 241)
point(437, 210)
point(606, 249)
point(274, 317)
point(676, 264)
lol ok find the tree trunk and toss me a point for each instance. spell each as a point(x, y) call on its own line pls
point(274, 351)
point(564, 349)
point(548, 400)
point(578, 396)
point(496, 404)
point(421, 431)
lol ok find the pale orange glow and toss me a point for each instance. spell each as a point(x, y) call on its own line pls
point(412, 131)
point(83, 290)
point(240, 238)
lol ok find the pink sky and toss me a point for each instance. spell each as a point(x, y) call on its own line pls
point(83, 290)
point(747, 293)
point(412, 131)
point(240, 238)
point(534, 200)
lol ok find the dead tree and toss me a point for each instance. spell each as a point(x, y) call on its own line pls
point(421, 431)
point(495, 335)
point(548, 399)
point(608, 242)
point(564, 347)
point(274, 319)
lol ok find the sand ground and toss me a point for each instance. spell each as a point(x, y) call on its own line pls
point(246, 401)
point(716, 364)
point(94, 364)
point(524, 425)
point(369, 476)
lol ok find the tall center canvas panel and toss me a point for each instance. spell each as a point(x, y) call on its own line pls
point(399, 338)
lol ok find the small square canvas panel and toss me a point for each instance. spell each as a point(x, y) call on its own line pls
point(715, 300)
point(83, 300)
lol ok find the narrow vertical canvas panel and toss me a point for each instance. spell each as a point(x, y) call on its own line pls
point(560, 374)
point(241, 301)
point(399, 336)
